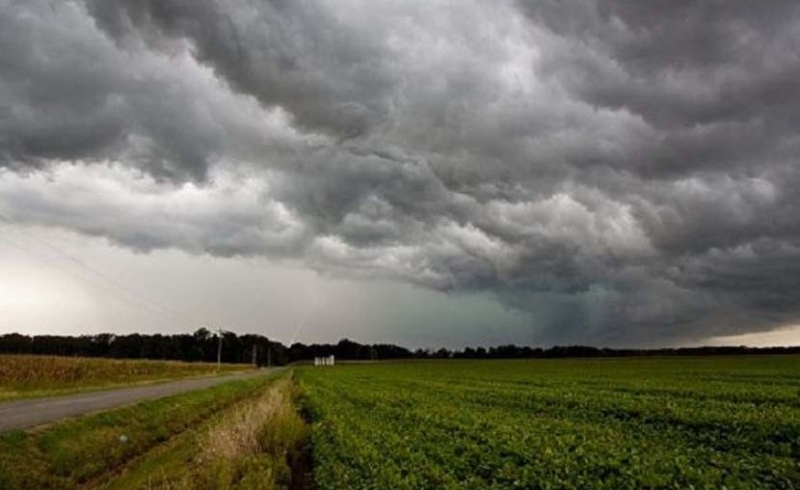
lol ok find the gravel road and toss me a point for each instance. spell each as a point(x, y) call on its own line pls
point(24, 414)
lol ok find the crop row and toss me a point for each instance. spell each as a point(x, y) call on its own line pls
point(557, 424)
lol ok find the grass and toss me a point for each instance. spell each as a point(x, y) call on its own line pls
point(82, 451)
point(256, 444)
point(624, 423)
point(25, 376)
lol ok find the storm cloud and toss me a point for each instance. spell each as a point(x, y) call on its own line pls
point(620, 172)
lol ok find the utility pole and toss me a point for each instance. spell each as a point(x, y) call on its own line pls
point(255, 355)
point(269, 356)
point(219, 349)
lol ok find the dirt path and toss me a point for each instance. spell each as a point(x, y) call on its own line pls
point(29, 413)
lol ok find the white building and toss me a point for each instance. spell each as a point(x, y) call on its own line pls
point(324, 361)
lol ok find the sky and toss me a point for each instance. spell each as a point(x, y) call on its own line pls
point(429, 173)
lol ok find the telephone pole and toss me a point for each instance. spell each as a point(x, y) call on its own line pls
point(219, 349)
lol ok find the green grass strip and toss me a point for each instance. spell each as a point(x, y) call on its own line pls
point(72, 452)
point(258, 443)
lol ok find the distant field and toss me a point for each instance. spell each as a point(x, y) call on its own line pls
point(722, 422)
point(26, 376)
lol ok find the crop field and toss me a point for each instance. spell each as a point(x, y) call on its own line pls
point(26, 376)
point(719, 422)
point(723, 422)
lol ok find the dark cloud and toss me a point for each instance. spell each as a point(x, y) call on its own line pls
point(622, 172)
point(291, 54)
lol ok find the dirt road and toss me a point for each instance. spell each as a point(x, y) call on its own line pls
point(24, 414)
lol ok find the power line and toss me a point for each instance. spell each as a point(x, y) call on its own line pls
point(124, 292)
point(113, 293)
point(306, 315)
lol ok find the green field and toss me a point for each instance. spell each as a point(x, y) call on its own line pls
point(720, 422)
point(614, 423)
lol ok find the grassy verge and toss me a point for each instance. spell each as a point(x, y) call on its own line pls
point(74, 452)
point(256, 444)
point(23, 376)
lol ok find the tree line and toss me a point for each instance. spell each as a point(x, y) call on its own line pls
point(205, 346)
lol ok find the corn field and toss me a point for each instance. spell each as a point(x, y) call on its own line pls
point(20, 374)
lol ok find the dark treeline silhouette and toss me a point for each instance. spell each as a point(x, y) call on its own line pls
point(516, 352)
point(203, 345)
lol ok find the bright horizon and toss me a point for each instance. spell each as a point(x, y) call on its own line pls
point(74, 291)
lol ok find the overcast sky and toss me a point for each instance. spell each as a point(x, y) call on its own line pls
point(616, 172)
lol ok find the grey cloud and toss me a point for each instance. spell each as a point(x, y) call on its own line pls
point(292, 54)
point(620, 172)
point(683, 62)
point(67, 92)
point(716, 83)
point(43, 92)
point(227, 218)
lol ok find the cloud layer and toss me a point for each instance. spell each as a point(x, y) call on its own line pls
point(620, 172)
